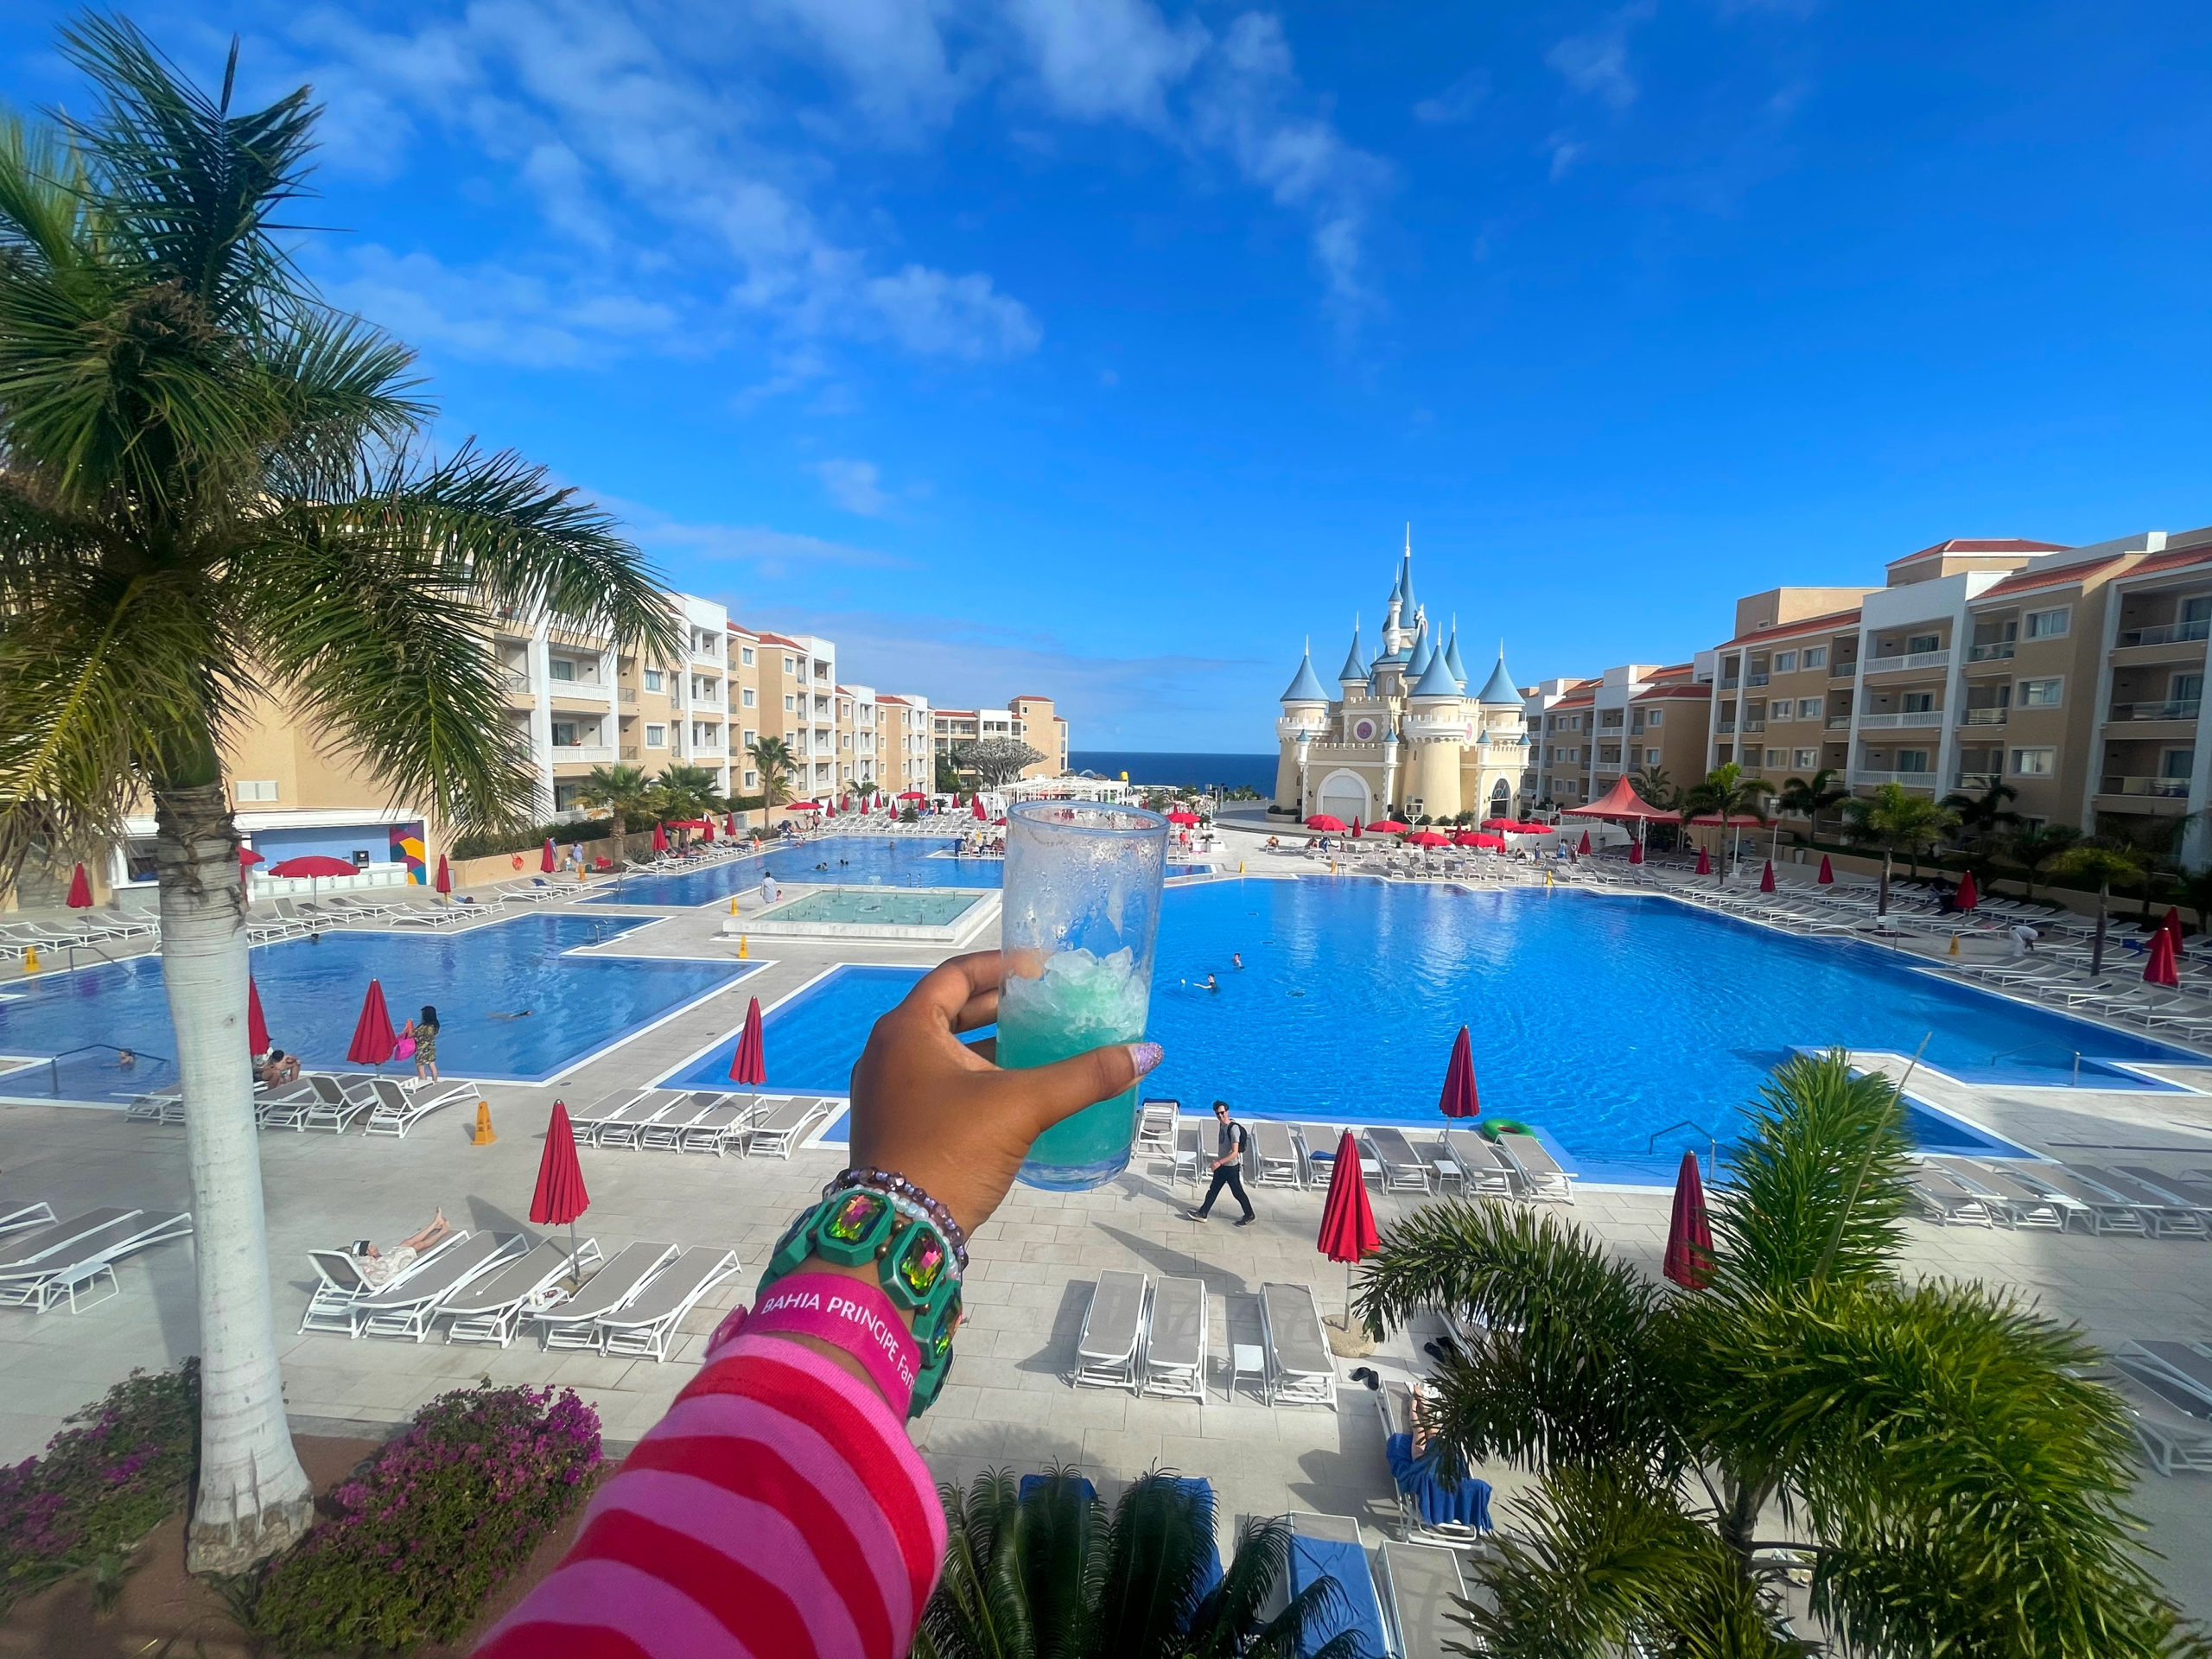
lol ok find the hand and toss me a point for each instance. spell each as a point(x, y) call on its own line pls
point(941, 1114)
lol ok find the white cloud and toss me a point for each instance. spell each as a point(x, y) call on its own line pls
point(489, 314)
point(766, 553)
point(1100, 59)
point(854, 486)
point(890, 52)
point(935, 314)
point(1457, 104)
point(1596, 63)
point(1564, 151)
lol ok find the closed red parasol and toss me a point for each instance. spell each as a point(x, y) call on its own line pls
point(749, 1065)
point(1636, 851)
point(1459, 1098)
point(1583, 851)
point(80, 890)
point(1326, 824)
point(445, 876)
point(372, 1037)
point(729, 824)
point(1826, 877)
point(1689, 1234)
point(707, 828)
point(560, 1198)
point(2171, 923)
point(545, 860)
point(2159, 970)
point(1357, 829)
point(660, 838)
point(975, 810)
point(1347, 1222)
point(1766, 877)
point(1970, 894)
point(256, 1027)
point(1704, 862)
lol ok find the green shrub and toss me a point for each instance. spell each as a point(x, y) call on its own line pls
point(121, 1469)
point(529, 839)
point(427, 1527)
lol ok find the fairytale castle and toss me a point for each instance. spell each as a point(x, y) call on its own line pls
point(1404, 735)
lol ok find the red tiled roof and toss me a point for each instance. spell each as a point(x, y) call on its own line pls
point(1575, 703)
point(2065, 576)
point(1804, 625)
point(2174, 558)
point(1029, 696)
point(1704, 691)
point(767, 638)
point(1971, 544)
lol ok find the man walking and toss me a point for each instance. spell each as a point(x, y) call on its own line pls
point(1228, 1166)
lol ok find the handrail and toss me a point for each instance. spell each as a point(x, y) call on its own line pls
point(2034, 1048)
point(53, 1061)
point(1712, 1142)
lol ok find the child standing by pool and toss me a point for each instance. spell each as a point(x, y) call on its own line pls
point(426, 1045)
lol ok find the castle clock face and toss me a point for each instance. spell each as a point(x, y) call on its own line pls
point(1363, 730)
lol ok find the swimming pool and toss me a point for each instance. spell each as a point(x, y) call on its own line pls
point(888, 861)
point(1602, 1019)
point(512, 1006)
point(873, 908)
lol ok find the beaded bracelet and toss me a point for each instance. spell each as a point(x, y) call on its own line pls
point(913, 1263)
point(890, 1180)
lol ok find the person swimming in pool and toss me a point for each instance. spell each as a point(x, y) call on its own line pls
point(1236, 959)
point(1211, 983)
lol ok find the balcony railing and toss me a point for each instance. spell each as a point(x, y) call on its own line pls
point(1984, 716)
point(629, 752)
point(2172, 708)
point(1725, 726)
point(1754, 679)
point(1910, 779)
point(515, 679)
point(629, 694)
point(1975, 780)
point(592, 690)
point(1755, 726)
point(1910, 659)
point(1839, 722)
point(2166, 634)
point(1730, 682)
point(1913, 717)
point(2172, 789)
point(1997, 651)
point(1843, 670)
point(587, 754)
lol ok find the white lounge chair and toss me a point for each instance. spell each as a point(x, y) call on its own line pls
point(399, 1108)
point(1300, 1371)
point(722, 1125)
point(407, 1307)
point(1541, 1176)
point(1420, 1590)
point(1319, 1143)
point(2100, 1209)
point(1175, 1358)
point(1333, 1547)
point(14, 1217)
point(1395, 1404)
point(1482, 1171)
point(1277, 1155)
point(2167, 1419)
point(1108, 1347)
point(574, 1323)
point(1190, 1156)
point(2187, 1366)
point(1944, 1200)
point(1404, 1170)
point(341, 1284)
point(2024, 1205)
point(666, 1132)
point(621, 1127)
point(2167, 1216)
point(647, 1324)
point(782, 1130)
point(488, 1309)
point(331, 1102)
point(68, 1271)
point(1156, 1128)
point(33, 1244)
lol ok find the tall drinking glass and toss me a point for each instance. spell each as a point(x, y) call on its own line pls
point(1081, 913)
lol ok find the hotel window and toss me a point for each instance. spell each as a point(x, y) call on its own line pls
point(652, 679)
point(565, 734)
point(2034, 763)
point(1809, 708)
point(748, 696)
point(744, 656)
point(2040, 694)
point(1817, 655)
point(1652, 757)
point(750, 737)
point(1919, 703)
point(1656, 717)
point(752, 779)
point(2048, 624)
point(254, 789)
point(1774, 757)
point(1916, 644)
point(791, 665)
point(2177, 764)
point(1785, 662)
point(1912, 760)
point(1805, 757)
point(656, 737)
point(791, 705)
point(560, 668)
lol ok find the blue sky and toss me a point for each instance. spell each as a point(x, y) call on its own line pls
point(1104, 348)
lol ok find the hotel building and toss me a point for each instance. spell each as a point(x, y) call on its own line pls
point(1584, 735)
point(1027, 719)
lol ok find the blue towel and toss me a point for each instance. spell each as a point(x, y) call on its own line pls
point(1426, 1480)
point(1033, 1483)
point(1356, 1609)
point(1203, 1489)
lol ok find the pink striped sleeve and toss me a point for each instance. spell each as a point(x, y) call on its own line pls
point(777, 1509)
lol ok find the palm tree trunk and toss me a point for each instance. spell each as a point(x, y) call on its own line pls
point(2097, 951)
point(1882, 906)
point(254, 1497)
point(620, 827)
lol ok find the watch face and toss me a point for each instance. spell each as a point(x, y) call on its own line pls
point(1363, 730)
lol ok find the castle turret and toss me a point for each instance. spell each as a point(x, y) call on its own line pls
point(1305, 717)
point(1451, 657)
point(1417, 665)
point(1436, 731)
point(1352, 676)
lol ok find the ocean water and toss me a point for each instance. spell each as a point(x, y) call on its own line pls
point(1190, 771)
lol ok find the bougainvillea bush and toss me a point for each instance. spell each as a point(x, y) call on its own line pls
point(118, 1471)
point(427, 1527)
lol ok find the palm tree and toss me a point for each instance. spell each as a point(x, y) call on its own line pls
point(1934, 1454)
point(1896, 820)
point(777, 765)
point(1652, 784)
point(687, 792)
point(2196, 893)
point(1808, 798)
point(624, 793)
point(209, 492)
point(2104, 863)
point(1726, 793)
point(1052, 1574)
point(1984, 816)
point(2033, 846)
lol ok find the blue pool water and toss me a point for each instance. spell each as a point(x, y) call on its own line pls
point(811, 1040)
point(901, 861)
point(874, 908)
point(312, 992)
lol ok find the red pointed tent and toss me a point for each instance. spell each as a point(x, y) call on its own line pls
point(1621, 801)
point(2159, 969)
point(1970, 894)
point(1689, 1234)
point(372, 1037)
point(257, 1026)
point(1347, 1220)
point(750, 1063)
point(1459, 1098)
point(1766, 877)
point(80, 890)
point(1826, 877)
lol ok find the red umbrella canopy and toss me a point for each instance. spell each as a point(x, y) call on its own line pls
point(1584, 850)
point(1689, 1234)
point(2171, 923)
point(373, 1038)
point(247, 859)
point(1766, 877)
point(445, 876)
point(1827, 878)
point(1347, 1221)
point(1497, 824)
point(803, 806)
point(660, 838)
point(560, 1198)
point(1704, 862)
point(545, 859)
point(912, 795)
point(975, 807)
point(1326, 824)
point(1428, 838)
point(311, 864)
point(750, 1063)
point(1970, 894)
point(2159, 970)
point(1389, 827)
point(80, 890)
point(257, 1027)
point(1182, 818)
point(1459, 1098)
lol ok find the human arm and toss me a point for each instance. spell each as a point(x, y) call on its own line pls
point(779, 1507)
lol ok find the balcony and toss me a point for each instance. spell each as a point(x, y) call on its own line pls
point(628, 693)
point(1916, 718)
point(2166, 789)
point(1976, 781)
point(629, 752)
point(2172, 708)
point(1723, 726)
point(1843, 670)
point(1910, 660)
point(1754, 679)
point(1984, 716)
point(579, 690)
point(2170, 633)
point(1998, 651)
point(1755, 726)
point(1730, 682)
point(515, 680)
point(1839, 722)
point(582, 754)
point(1926, 780)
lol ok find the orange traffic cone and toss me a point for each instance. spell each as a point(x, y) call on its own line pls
point(732, 904)
point(30, 959)
point(743, 955)
point(483, 1137)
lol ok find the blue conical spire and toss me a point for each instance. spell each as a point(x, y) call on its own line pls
point(1438, 680)
point(1355, 669)
point(1500, 688)
point(1417, 665)
point(1452, 657)
point(1305, 686)
point(1409, 606)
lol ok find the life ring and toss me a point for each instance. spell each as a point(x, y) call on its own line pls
point(518, 861)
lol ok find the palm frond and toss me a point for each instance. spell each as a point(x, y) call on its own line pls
point(345, 384)
point(1060, 1541)
point(1161, 1537)
point(42, 208)
point(1224, 1613)
point(978, 1612)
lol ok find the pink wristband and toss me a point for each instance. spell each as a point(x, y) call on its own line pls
point(856, 1317)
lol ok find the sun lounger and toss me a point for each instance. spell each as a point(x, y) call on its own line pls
point(666, 1133)
point(1482, 1171)
point(1175, 1358)
point(623, 1128)
point(2021, 1204)
point(32, 1245)
point(723, 1123)
point(1156, 1128)
point(2167, 1216)
point(1944, 1199)
point(779, 1132)
point(329, 1101)
point(1277, 1154)
point(340, 1284)
point(2197, 1194)
point(1190, 1153)
point(646, 1324)
point(488, 1309)
point(158, 1106)
point(2173, 1437)
point(1319, 1142)
point(1108, 1349)
point(1331, 1546)
point(1433, 1510)
point(1541, 1176)
point(284, 1108)
point(1404, 1170)
point(15, 1217)
point(398, 1109)
point(1300, 1371)
point(574, 1323)
point(407, 1306)
point(1420, 1590)
point(67, 1271)
point(2100, 1209)
point(585, 1124)
point(2185, 1364)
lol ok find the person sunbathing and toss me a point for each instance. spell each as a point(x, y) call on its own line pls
point(279, 1069)
point(382, 1267)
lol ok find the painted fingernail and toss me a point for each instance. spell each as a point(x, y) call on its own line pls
point(1145, 1056)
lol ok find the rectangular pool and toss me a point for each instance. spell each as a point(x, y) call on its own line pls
point(873, 907)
